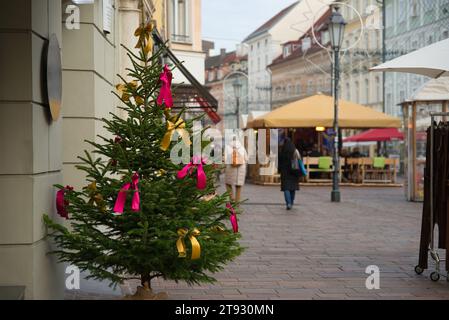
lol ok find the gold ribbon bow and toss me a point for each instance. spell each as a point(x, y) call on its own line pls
point(95, 197)
point(122, 90)
point(179, 127)
point(181, 246)
point(144, 34)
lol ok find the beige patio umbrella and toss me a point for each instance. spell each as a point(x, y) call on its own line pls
point(318, 111)
point(431, 61)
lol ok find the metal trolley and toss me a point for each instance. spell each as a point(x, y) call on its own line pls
point(437, 274)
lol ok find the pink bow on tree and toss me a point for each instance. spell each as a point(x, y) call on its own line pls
point(197, 162)
point(121, 198)
point(233, 218)
point(62, 203)
point(165, 95)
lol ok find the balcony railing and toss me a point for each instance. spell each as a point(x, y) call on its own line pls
point(181, 38)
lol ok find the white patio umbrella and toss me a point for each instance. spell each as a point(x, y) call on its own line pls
point(431, 61)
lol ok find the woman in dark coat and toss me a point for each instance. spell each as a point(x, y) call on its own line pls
point(289, 176)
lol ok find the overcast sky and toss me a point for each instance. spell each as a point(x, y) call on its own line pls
point(228, 22)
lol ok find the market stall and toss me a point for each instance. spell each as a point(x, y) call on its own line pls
point(432, 97)
point(313, 117)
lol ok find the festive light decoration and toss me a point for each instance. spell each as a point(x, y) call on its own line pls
point(197, 162)
point(121, 198)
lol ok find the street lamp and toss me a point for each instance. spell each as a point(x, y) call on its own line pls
point(336, 30)
point(237, 85)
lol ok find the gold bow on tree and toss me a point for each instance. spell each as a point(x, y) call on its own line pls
point(181, 246)
point(172, 127)
point(95, 197)
point(124, 94)
point(145, 40)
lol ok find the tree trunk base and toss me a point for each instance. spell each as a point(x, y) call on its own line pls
point(146, 294)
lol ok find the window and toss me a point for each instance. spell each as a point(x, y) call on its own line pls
point(357, 92)
point(219, 74)
point(298, 89)
point(389, 15)
point(266, 42)
point(348, 92)
point(180, 20)
point(287, 50)
point(258, 64)
point(378, 90)
point(402, 10)
point(211, 75)
point(306, 44)
point(367, 91)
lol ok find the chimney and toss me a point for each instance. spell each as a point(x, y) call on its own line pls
point(222, 52)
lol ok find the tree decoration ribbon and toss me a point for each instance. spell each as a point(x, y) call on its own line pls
point(165, 94)
point(95, 197)
point(62, 202)
point(172, 127)
point(197, 162)
point(144, 34)
point(233, 218)
point(181, 246)
point(124, 94)
point(121, 198)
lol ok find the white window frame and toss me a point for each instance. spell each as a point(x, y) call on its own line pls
point(176, 35)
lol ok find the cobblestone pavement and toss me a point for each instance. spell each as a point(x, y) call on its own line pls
point(320, 250)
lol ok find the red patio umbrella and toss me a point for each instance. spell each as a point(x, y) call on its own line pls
point(387, 134)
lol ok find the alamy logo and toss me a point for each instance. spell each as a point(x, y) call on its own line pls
point(72, 282)
point(373, 281)
point(72, 22)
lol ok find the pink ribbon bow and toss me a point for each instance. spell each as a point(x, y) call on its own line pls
point(62, 203)
point(165, 95)
point(233, 218)
point(198, 162)
point(121, 198)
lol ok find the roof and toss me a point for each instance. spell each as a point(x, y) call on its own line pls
point(271, 23)
point(433, 90)
point(318, 111)
point(219, 60)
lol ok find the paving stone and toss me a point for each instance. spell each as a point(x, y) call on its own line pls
point(320, 250)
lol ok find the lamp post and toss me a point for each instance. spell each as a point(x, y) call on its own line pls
point(336, 31)
point(237, 85)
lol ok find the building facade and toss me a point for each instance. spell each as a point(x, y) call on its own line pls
point(410, 25)
point(183, 30)
point(362, 47)
point(43, 151)
point(265, 44)
point(225, 73)
point(304, 67)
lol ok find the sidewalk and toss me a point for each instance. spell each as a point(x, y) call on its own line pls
point(320, 250)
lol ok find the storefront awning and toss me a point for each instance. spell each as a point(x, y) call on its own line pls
point(386, 134)
point(318, 111)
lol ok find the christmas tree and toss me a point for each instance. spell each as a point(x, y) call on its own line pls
point(140, 215)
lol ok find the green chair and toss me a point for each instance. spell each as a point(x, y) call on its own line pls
point(324, 163)
point(379, 163)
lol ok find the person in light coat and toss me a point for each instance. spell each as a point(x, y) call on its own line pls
point(235, 172)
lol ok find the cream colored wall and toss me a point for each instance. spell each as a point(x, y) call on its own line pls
point(89, 74)
point(31, 145)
